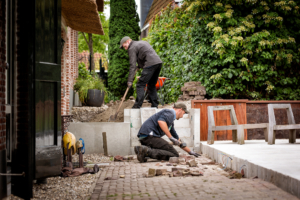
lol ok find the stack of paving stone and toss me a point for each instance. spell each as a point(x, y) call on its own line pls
point(193, 90)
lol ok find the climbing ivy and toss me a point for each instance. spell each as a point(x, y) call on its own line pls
point(236, 48)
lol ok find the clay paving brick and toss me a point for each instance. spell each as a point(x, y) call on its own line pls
point(173, 160)
point(160, 171)
point(212, 185)
point(192, 163)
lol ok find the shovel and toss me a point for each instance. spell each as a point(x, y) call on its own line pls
point(113, 118)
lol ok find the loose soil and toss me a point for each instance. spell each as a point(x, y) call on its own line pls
point(104, 116)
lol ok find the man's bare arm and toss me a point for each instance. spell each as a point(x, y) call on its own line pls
point(164, 127)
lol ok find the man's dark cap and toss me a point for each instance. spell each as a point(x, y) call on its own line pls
point(183, 106)
point(124, 39)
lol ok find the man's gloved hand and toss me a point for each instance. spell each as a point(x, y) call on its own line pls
point(129, 84)
point(175, 142)
point(194, 153)
point(182, 144)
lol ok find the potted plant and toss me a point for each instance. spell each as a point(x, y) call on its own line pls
point(90, 88)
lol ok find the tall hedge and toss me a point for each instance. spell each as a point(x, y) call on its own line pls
point(236, 48)
point(123, 22)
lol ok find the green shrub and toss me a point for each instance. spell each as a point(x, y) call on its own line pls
point(123, 22)
point(236, 48)
point(86, 81)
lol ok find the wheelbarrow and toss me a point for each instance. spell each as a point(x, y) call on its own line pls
point(159, 84)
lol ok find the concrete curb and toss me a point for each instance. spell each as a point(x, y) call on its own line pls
point(285, 182)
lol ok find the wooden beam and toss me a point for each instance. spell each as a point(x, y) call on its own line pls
point(287, 127)
point(254, 126)
point(223, 128)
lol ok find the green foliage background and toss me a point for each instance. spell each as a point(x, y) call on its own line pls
point(123, 22)
point(236, 48)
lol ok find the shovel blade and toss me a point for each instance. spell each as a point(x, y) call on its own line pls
point(113, 118)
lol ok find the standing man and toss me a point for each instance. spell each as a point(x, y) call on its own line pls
point(142, 53)
point(158, 125)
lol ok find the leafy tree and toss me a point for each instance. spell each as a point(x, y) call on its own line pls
point(236, 48)
point(123, 22)
point(93, 42)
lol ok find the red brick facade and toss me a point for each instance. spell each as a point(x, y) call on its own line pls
point(69, 68)
point(2, 76)
point(84, 57)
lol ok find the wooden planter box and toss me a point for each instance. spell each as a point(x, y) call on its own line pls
point(250, 112)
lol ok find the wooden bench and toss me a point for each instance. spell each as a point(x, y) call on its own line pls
point(292, 126)
point(237, 129)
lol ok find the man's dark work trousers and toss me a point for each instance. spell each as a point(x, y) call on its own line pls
point(160, 148)
point(149, 76)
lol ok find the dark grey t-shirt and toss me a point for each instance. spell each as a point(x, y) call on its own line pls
point(151, 126)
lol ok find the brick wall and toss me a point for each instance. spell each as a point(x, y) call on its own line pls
point(258, 113)
point(2, 76)
point(85, 57)
point(69, 67)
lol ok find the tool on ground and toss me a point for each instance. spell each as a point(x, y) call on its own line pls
point(69, 144)
point(113, 118)
point(181, 144)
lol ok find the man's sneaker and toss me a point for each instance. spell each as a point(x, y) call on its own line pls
point(135, 107)
point(141, 152)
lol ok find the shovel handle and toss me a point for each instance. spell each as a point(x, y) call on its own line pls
point(122, 99)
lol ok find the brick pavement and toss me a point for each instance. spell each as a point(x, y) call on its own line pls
point(213, 185)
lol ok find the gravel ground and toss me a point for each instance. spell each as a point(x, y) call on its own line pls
point(80, 187)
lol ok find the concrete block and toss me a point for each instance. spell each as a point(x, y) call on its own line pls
point(183, 132)
point(283, 181)
point(185, 116)
point(189, 141)
point(182, 123)
point(135, 122)
point(252, 169)
point(127, 119)
point(134, 132)
point(127, 112)
point(134, 142)
point(260, 172)
point(194, 118)
point(211, 152)
point(201, 148)
point(132, 150)
point(215, 156)
point(118, 136)
point(293, 188)
point(146, 113)
point(135, 113)
point(270, 176)
point(234, 163)
point(243, 164)
point(93, 139)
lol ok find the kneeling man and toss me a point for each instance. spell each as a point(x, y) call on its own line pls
point(158, 125)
